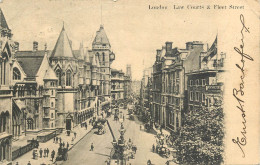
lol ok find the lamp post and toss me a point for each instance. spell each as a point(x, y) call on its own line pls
point(25, 115)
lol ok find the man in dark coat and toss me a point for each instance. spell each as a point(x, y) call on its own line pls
point(40, 152)
point(92, 147)
point(52, 155)
point(47, 152)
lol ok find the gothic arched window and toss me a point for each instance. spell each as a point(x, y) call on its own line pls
point(16, 74)
point(58, 74)
point(68, 78)
point(103, 54)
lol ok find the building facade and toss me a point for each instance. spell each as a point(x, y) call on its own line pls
point(49, 90)
point(205, 85)
point(6, 103)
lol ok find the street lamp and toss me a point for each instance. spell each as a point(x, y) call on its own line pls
point(25, 115)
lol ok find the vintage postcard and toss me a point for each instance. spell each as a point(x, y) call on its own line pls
point(129, 82)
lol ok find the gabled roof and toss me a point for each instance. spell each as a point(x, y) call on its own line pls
point(63, 46)
point(101, 37)
point(50, 74)
point(30, 61)
point(3, 23)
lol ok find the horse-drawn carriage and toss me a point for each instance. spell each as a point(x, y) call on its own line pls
point(163, 151)
point(99, 122)
point(101, 130)
point(147, 126)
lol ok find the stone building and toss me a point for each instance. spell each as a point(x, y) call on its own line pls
point(6, 103)
point(205, 84)
point(168, 88)
point(117, 89)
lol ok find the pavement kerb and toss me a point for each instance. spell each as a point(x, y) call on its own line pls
point(80, 139)
point(75, 143)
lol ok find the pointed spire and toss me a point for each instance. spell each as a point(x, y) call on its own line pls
point(3, 23)
point(101, 37)
point(63, 46)
point(50, 74)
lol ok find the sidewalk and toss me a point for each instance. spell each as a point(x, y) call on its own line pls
point(81, 132)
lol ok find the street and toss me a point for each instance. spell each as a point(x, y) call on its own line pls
point(81, 154)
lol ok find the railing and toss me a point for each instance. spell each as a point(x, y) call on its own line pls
point(45, 138)
point(24, 149)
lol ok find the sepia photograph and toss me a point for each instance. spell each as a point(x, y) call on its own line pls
point(129, 82)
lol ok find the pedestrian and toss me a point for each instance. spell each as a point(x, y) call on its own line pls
point(52, 155)
point(153, 147)
point(40, 152)
point(29, 163)
point(44, 152)
point(47, 151)
point(57, 139)
point(63, 144)
point(16, 163)
point(75, 134)
point(33, 154)
point(86, 126)
point(140, 127)
point(54, 140)
point(149, 162)
point(68, 145)
point(92, 147)
point(60, 139)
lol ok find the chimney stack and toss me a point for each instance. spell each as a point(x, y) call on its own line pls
point(168, 46)
point(35, 45)
point(189, 45)
point(16, 46)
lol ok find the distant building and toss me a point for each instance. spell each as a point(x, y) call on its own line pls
point(135, 87)
point(117, 81)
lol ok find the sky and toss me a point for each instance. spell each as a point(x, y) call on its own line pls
point(134, 31)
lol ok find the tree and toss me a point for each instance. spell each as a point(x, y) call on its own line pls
point(201, 137)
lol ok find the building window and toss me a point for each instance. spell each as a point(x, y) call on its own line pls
point(51, 115)
point(191, 96)
point(3, 71)
point(197, 82)
point(203, 97)
point(177, 74)
point(68, 78)
point(177, 89)
point(191, 82)
point(4, 122)
point(16, 74)
point(51, 104)
point(103, 54)
point(197, 96)
point(30, 123)
point(58, 74)
point(52, 92)
point(51, 125)
point(177, 101)
point(203, 82)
